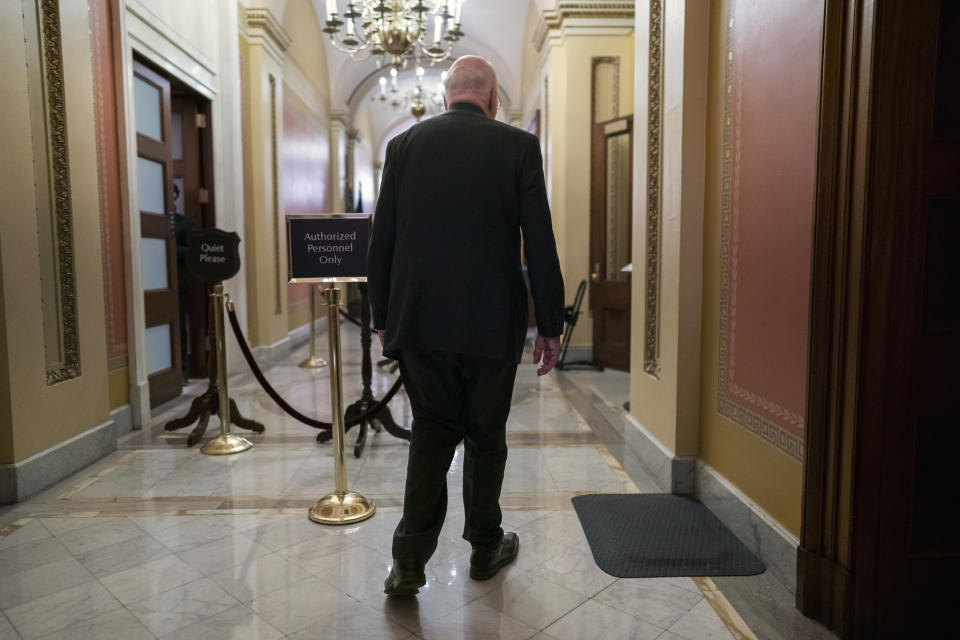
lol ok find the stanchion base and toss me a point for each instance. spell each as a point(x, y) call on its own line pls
point(342, 508)
point(313, 363)
point(225, 445)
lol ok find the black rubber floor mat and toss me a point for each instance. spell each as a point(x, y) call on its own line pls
point(660, 535)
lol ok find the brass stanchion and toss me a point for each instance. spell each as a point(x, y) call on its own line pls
point(314, 361)
point(341, 506)
point(226, 443)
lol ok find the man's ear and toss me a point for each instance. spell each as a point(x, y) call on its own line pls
point(492, 104)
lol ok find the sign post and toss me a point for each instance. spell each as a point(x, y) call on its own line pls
point(214, 256)
point(332, 249)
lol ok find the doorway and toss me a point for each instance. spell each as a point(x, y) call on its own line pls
point(611, 200)
point(173, 164)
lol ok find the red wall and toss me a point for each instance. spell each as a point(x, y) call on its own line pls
point(304, 170)
point(108, 161)
point(773, 74)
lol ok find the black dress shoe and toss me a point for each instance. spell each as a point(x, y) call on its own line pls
point(405, 579)
point(486, 562)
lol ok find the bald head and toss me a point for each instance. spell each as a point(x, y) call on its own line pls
point(472, 79)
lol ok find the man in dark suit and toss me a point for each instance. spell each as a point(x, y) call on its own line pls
point(450, 304)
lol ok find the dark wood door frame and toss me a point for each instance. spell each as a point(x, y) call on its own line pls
point(604, 294)
point(857, 502)
point(160, 305)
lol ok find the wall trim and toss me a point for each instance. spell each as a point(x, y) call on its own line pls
point(577, 15)
point(674, 474)
point(20, 480)
point(53, 188)
point(756, 528)
point(651, 321)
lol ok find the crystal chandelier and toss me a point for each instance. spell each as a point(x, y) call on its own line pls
point(418, 99)
point(400, 29)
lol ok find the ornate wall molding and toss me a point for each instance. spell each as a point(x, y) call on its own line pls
point(260, 26)
point(275, 200)
point(651, 320)
point(65, 365)
point(615, 98)
point(583, 13)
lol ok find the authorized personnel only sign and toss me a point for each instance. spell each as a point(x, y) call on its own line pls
point(328, 247)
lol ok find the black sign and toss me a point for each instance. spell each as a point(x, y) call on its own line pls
point(213, 255)
point(328, 248)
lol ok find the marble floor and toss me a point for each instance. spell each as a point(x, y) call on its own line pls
point(160, 541)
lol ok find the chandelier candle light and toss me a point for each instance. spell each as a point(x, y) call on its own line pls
point(398, 28)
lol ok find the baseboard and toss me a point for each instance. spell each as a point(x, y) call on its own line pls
point(123, 420)
point(20, 480)
point(269, 354)
point(674, 474)
point(579, 354)
point(824, 591)
point(763, 535)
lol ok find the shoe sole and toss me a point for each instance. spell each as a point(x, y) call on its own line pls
point(407, 588)
point(480, 576)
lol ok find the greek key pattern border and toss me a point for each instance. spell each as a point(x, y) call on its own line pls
point(771, 432)
point(51, 51)
point(651, 321)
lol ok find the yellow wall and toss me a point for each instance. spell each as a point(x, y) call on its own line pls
point(767, 476)
point(40, 415)
point(567, 130)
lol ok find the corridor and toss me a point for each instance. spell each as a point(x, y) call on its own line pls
point(159, 541)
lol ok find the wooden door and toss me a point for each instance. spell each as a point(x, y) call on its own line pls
point(158, 252)
point(907, 541)
point(611, 195)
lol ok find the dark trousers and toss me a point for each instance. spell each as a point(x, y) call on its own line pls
point(454, 397)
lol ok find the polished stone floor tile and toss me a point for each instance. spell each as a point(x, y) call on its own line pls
point(358, 572)
point(102, 532)
point(30, 556)
point(298, 605)
point(150, 579)
point(182, 606)
point(223, 554)
point(42, 581)
point(532, 600)
point(701, 623)
point(7, 631)
point(32, 531)
point(650, 599)
point(128, 554)
point(477, 621)
point(575, 570)
point(562, 526)
point(597, 621)
point(237, 623)
point(71, 607)
point(118, 624)
point(352, 621)
point(259, 576)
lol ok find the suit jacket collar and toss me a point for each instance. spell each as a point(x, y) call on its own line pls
point(467, 106)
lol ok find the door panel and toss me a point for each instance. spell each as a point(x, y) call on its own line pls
point(911, 400)
point(610, 241)
point(158, 257)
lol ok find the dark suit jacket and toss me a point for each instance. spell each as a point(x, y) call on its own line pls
point(445, 272)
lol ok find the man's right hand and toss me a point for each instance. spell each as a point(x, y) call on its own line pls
point(546, 352)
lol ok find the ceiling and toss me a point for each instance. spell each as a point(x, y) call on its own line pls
point(493, 29)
